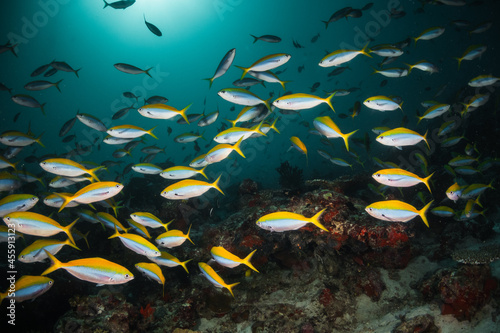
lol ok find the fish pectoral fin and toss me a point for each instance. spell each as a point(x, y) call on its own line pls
point(399, 147)
point(388, 218)
point(99, 285)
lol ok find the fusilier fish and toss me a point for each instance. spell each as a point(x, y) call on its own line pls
point(397, 211)
point(286, 221)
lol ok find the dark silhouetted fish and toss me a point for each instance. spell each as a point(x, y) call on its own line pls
point(42, 85)
point(67, 126)
point(152, 27)
point(315, 38)
point(267, 38)
point(119, 4)
point(130, 69)
point(169, 130)
point(383, 83)
point(156, 100)
point(338, 71)
point(50, 72)
point(297, 45)
point(128, 94)
point(40, 70)
point(64, 67)
point(8, 47)
point(26, 100)
point(69, 138)
point(224, 65)
point(16, 116)
point(3, 87)
point(367, 6)
point(120, 113)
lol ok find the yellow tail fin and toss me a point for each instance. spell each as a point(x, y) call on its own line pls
point(315, 220)
point(230, 287)
point(56, 264)
point(346, 138)
point(423, 211)
point(215, 185)
point(246, 261)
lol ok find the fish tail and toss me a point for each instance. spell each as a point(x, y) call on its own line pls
point(57, 85)
point(363, 51)
point(105, 4)
point(42, 108)
point(426, 181)
point(315, 220)
point(266, 102)
point(459, 62)
point(425, 139)
point(245, 71)
point(273, 126)
point(230, 287)
point(202, 172)
point(150, 132)
point(232, 122)
point(375, 71)
point(477, 202)
point(56, 264)
point(255, 38)
point(258, 129)
point(237, 148)
point(147, 71)
point(70, 243)
point(328, 100)
point(415, 39)
point(116, 234)
point(183, 264)
point(410, 67)
point(76, 72)
point(246, 261)
point(419, 119)
point(401, 106)
point(326, 24)
point(187, 235)
point(210, 81)
point(423, 211)
point(283, 84)
point(183, 113)
point(67, 230)
point(67, 199)
point(215, 185)
point(165, 225)
point(93, 171)
point(37, 140)
point(346, 138)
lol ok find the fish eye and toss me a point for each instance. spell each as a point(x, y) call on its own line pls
point(381, 137)
point(22, 257)
point(126, 276)
point(117, 186)
point(8, 218)
point(50, 282)
point(378, 175)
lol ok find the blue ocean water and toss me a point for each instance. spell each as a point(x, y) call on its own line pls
point(195, 36)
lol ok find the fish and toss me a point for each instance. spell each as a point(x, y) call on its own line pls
point(483, 81)
point(225, 258)
point(434, 111)
point(35, 224)
point(224, 65)
point(397, 211)
point(248, 82)
point(268, 76)
point(91, 122)
point(214, 278)
point(40, 70)
point(169, 260)
point(69, 168)
point(35, 252)
point(208, 119)
point(50, 72)
point(222, 151)
point(173, 238)
point(95, 270)
point(299, 145)
point(27, 287)
point(382, 103)
point(443, 211)
point(97, 191)
point(423, 65)
point(328, 128)
point(67, 126)
point(340, 57)
point(386, 50)
point(189, 188)
point(392, 72)
point(156, 100)
point(242, 97)
point(233, 134)
point(64, 67)
point(42, 85)
point(266, 63)
point(110, 222)
point(153, 272)
point(475, 190)
point(302, 101)
point(122, 4)
point(454, 192)
point(400, 137)
point(339, 14)
point(182, 172)
point(462, 160)
point(400, 178)
point(147, 168)
point(28, 101)
point(17, 203)
point(149, 220)
point(286, 221)
point(340, 162)
point(429, 34)
point(130, 69)
point(162, 111)
point(129, 131)
point(136, 243)
point(266, 38)
point(188, 137)
point(153, 28)
point(122, 112)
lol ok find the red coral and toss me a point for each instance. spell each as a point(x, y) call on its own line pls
point(252, 241)
point(326, 297)
point(147, 311)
